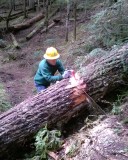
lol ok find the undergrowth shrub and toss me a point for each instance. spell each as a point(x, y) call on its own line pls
point(47, 141)
point(110, 26)
point(11, 55)
point(4, 104)
point(117, 104)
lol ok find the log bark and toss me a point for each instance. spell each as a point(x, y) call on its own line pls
point(17, 14)
point(58, 104)
point(28, 23)
point(31, 34)
point(21, 25)
point(16, 44)
point(50, 26)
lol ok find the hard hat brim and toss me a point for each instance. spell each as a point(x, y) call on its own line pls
point(47, 57)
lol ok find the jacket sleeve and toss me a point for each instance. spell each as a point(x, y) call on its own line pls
point(60, 67)
point(50, 78)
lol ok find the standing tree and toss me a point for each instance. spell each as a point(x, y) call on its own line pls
point(14, 7)
point(25, 10)
point(38, 5)
point(9, 14)
point(75, 9)
point(50, 4)
point(43, 4)
point(67, 20)
point(46, 18)
point(32, 4)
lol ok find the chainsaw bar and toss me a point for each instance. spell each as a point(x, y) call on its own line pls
point(94, 104)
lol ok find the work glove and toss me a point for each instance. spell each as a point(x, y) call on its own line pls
point(67, 74)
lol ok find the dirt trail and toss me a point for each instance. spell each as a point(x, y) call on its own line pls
point(17, 82)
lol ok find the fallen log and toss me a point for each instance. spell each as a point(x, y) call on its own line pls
point(103, 131)
point(59, 103)
point(50, 26)
point(38, 27)
point(28, 23)
point(24, 25)
point(16, 14)
point(15, 43)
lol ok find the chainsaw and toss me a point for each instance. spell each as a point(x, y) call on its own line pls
point(76, 81)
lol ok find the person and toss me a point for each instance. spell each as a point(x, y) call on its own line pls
point(47, 68)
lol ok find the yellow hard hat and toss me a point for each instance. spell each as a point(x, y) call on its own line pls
point(51, 53)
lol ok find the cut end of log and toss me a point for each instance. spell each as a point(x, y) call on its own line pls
point(15, 43)
point(82, 98)
point(56, 20)
point(78, 97)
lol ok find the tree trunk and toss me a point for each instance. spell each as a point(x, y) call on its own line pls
point(50, 5)
point(25, 11)
point(47, 13)
point(38, 5)
point(31, 34)
point(67, 20)
point(44, 4)
point(59, 103)
point(13, 3)
point(10, 4)
point(75, 9)
point(28, 23)
point(31, 4)
point(8, 17)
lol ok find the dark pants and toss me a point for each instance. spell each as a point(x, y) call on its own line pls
point(40, 87)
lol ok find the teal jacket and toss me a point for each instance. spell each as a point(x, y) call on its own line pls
point(45, 73)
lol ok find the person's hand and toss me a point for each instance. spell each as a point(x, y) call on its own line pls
point(57, 81)
point(67, 74)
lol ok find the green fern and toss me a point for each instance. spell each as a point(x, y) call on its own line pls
point(47, 141)
point(116, 106)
